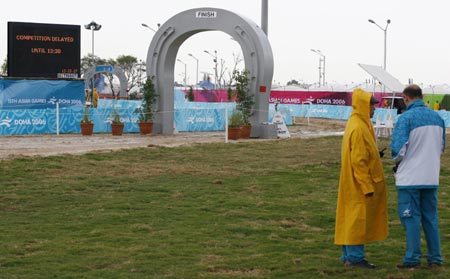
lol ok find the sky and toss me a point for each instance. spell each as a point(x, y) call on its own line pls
point(418, 41)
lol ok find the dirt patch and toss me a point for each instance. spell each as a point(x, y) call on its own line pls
point(47, 145)
point(317, 125)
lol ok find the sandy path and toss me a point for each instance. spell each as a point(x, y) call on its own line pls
point(46, 145)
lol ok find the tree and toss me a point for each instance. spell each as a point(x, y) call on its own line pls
point(131, 69)
point(146, 110)
point(244, 99)
point(292, 82)
point(127, 63)
point(110, 76)
point(90, 61)
point(237, 59)
point(220, 73)
point(190, 95)
point(300, 84)
point(230, 93)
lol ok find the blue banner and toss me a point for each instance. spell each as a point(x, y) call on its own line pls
point(40, 94)
point(197, 120)
point(104, 68)
point(188, 116)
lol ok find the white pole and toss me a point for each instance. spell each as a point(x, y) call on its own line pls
point(57, 118)
point(92, 28)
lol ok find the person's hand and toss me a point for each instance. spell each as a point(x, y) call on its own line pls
point(382, 152)
point(394, 169)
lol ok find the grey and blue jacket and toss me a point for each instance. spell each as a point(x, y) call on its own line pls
point(418, 141)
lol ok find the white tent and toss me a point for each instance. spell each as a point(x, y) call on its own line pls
point(384, 77)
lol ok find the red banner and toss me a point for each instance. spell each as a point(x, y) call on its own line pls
point(315, 97)
point(288, 97)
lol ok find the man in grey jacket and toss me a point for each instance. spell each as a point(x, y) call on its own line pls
point(418, 141)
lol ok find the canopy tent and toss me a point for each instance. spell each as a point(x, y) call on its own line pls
point(384, 78)
point(206, 84)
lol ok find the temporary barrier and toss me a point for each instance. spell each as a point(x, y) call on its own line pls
point(188, 116)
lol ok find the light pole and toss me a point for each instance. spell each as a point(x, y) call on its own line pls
point(264, 16)
point(94, 26)
point(190, 54)
point(321, 66)
point(185, 70)
point(385, 37)
point(215, 62)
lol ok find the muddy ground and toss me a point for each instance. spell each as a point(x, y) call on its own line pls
point(46, 145)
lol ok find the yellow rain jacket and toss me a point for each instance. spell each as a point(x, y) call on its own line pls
point(359, 218)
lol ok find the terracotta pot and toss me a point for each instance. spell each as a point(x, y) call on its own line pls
point(117, 129)
point(234, 133)
point(87, 129)
point(245, 131)
point(145, 128)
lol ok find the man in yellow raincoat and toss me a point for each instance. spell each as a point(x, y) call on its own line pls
point(361, 214)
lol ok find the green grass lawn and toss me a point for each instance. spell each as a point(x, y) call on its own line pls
point(259, 209)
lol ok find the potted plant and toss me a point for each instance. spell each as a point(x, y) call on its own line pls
point(230, 94)
point(190, 95)
point(86, 125)
point(234, 125)
point(116, 124)
point(145, 111)
point(244, 100)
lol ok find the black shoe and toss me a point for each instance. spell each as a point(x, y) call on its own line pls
point(408, 266)
point(362, 264)
point(434, 265)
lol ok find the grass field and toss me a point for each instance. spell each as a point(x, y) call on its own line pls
point(241, 210)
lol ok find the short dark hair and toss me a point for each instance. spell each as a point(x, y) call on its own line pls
point(413, 91)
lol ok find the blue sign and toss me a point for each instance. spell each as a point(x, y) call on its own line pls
point(40, 94)
point(104, 69)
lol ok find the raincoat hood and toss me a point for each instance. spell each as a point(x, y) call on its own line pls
point(361, 103)
point(361, 107)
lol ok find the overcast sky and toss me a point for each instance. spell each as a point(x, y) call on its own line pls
point(418, 40)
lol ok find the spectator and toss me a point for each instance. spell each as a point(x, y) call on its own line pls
point(418, 141)
point(436, 106)
point(361, 214)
